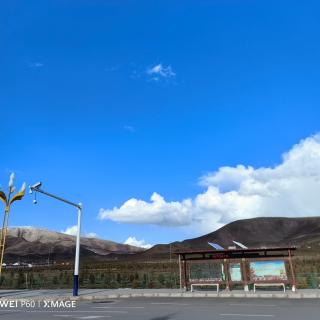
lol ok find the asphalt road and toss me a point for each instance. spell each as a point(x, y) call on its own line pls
point(172, 309)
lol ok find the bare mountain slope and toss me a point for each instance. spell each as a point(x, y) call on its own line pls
point(30, 244)
point(34, 244)
point(257, 232)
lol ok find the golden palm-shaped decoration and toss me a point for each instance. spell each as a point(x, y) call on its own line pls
point(8, 200)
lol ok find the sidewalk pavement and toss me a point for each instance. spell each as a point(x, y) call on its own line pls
point(101, 294)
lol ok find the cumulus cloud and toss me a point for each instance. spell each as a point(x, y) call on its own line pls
point(153, 212)
point(132, 241)
point(289, 189)
point(159, 71)
point(72, 231)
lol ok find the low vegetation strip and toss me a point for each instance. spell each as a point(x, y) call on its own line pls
point(139, 275)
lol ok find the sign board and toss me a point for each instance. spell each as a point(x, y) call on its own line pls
point(206, 272)
point(268, 270)
point(235, 272)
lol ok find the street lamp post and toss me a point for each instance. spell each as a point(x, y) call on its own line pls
point(8, 200)
point(77, 257)
point(36, 188)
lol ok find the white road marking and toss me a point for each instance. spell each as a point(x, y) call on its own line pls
point(113, 311)
point(57, 311)
point(245, 315)
point(251, 305)
point(118, 307)
point(91, 317)
point(107, 302)
point(171, 303)
point(79, 317)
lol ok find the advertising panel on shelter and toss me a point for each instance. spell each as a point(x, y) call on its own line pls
point(235, 272)
point(207, 272)
point(268, 270)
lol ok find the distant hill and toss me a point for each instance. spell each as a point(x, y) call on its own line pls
point(31, 244)
point(28, 244)
point(257, 232)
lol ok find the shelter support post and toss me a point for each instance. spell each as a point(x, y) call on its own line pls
point(185, 273)
point(226, 272)
point(244, 274)
point(180, 272)
point(293, 278)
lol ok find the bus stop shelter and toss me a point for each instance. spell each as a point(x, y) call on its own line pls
point(231, 268)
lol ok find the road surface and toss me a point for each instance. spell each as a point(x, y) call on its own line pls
point(171, 309)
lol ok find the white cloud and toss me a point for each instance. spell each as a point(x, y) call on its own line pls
point(91, 235)
point(289, 189)
point(132, 241)
point(36, 64)
point(72, 231)
point(159, 71)
point(129, 128)
point(157, 211)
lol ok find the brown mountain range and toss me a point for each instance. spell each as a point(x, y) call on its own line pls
point(28, 244)
point(31, 244)
point(255, 233)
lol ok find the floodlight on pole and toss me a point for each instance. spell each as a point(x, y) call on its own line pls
point(36, 188)
point(8, 200)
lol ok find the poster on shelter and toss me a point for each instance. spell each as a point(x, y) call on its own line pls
point(206, 272)
point(268, 270)
point(235, 272)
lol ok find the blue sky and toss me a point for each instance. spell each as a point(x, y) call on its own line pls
point(104, 101)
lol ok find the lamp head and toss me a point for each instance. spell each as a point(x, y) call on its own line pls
point(36, 185)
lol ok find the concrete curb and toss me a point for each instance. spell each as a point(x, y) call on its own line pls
point(265, 295)
point(204, 295)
